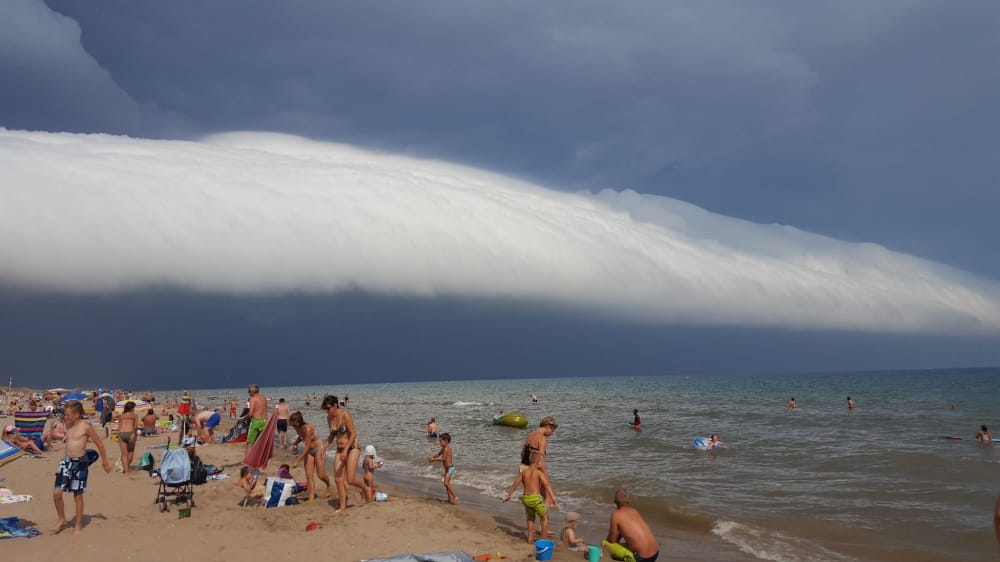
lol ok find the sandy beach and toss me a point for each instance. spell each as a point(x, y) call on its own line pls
point(121, 521)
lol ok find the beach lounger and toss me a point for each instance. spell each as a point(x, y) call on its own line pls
point(8, 452)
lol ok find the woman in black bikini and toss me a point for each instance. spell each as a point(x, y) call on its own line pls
point(313, 451)
point(345, 462)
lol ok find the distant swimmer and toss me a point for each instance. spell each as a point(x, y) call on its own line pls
point(983, 435)
point(713, 442)
point(432, 428)
point(954, 406)
point(791, 404)
point(850, 403)
point(635, 423)
point(534, 398)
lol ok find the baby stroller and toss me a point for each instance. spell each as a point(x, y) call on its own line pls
point(175, 478)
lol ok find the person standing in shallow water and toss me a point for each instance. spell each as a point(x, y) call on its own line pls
point(850, 403)
point(791, 403)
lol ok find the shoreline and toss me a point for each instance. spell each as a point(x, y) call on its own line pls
point(121, 520)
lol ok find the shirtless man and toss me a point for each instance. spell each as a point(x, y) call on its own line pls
point(538, 441)
point(282, 410)
point(72, 472)
point(205, 422)
point(345, 462)
point(628, 524)
point(149, 424)
point(791, 404)
point(850, 403)
point(258, 413)
point(432, 428)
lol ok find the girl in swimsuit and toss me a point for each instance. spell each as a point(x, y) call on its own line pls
point(345, 462)
point(127, 425)
point(313, 452)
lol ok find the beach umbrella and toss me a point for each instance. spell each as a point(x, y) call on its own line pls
point(140, 406)
point(73, 396)
point(260, 452)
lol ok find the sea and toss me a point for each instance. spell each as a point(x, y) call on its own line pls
point(881, 482)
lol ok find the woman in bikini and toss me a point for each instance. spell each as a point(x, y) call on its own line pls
point(127, 425)
point(345, 462)
point(313, 452)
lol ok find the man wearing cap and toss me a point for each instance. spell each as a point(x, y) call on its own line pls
point(628, 524)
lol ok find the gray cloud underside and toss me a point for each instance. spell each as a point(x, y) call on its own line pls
point(247, 213)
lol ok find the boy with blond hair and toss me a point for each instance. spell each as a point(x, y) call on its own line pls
point(72, 473)
point(537, 494)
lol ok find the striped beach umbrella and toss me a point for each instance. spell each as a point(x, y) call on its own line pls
point(140, 406)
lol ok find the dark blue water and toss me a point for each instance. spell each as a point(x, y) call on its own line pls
point(817, 483)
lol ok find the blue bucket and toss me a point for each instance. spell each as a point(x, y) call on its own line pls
point(543, 549)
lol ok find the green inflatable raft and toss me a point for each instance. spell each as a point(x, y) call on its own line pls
point(511, 419)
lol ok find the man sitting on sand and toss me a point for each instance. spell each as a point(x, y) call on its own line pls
point(628, 524)
point(149, 422)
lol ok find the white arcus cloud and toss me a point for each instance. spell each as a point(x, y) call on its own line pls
point(262, 214)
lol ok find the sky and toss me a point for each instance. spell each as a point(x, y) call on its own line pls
point(334, 192)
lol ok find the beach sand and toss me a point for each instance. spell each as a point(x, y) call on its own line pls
point(121, 521)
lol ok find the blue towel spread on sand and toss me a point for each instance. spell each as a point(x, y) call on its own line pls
point(9, 529)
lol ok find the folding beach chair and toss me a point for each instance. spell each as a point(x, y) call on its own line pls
point(31, 424)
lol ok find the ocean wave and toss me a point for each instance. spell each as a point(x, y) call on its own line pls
point(774, 546)
point(461, 403)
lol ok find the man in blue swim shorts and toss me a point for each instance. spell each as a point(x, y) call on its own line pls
point(206, 421)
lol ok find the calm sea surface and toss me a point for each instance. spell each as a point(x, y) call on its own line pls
point(817, 483)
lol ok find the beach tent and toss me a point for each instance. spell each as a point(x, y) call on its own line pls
point(31, 424)
point(8, 452)
point(73, 396)
point(238, 433)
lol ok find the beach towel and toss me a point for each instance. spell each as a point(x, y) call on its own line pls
point(431, 557)
point(8, 452)
point(9, 529)
point(31, 424)
point(16, 498)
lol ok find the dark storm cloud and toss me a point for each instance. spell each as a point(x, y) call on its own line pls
point(168, 340)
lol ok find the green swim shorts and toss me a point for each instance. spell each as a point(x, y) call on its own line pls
point(255, 429)
point(533, 505)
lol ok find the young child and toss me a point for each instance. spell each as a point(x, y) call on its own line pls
point(444, 456)
point(537, 490)
point(371, 464)
point(72, 473)
point(568, 534)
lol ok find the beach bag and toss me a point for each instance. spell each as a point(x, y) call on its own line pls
point(199, 474)
point(146, 462)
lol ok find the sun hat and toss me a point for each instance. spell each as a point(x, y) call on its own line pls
point(572, 516)
point(10, 429)
point(370, 450)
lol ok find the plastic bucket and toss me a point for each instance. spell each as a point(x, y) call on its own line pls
point(543, 549)
point(593, 553)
